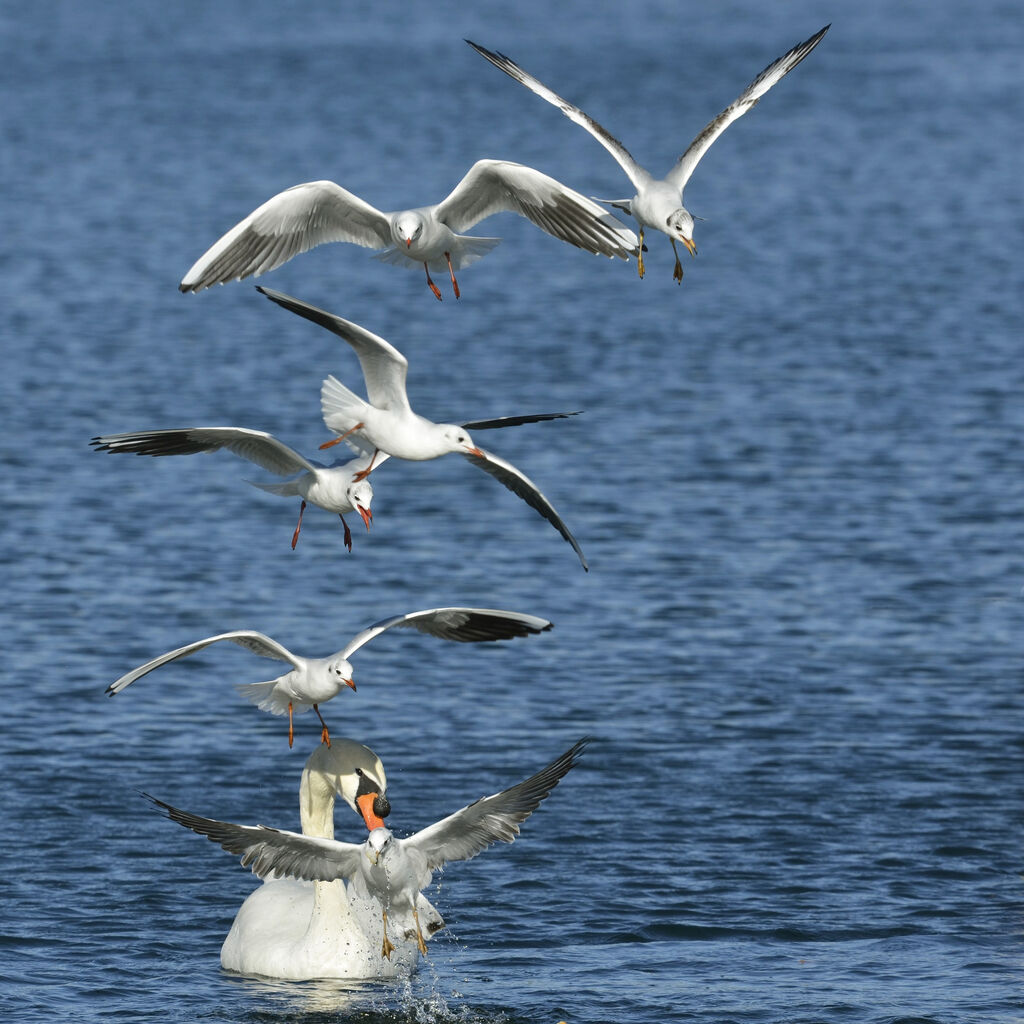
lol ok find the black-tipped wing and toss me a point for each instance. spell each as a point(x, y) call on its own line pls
point(254, 445)
point(384, 367)
point(634, 171)
point(519, 483)
point(777, 70)
point(517, 421)
point(463, 625)
point(273, 851)
point(497, 186)
point(287, 224)
point(467, 832)
point(258, 643)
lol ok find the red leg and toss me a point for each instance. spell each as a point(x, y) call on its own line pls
point(291, 731)
point(364, 473)
point(298, 525)
point(340, 438)
point(455, 284)
point(348, 532)
point(433, 287)
point(324, 735)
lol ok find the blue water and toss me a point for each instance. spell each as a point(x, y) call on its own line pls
point(799, 481)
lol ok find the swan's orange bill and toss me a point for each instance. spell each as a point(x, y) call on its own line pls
point(365, 805)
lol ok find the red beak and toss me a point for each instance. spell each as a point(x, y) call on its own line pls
point(365, 514)
point(408, 243)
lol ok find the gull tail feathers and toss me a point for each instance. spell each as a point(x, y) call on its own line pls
point(340, 408)
point(263, 696)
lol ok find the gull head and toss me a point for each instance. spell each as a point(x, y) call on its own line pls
point(377, 844)
point(680, 226)
point(339, 671)
point(458, 440)
point(408, 227)
point(360, 496)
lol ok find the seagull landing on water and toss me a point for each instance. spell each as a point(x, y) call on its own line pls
point(658, 203)
point(387, 422)
point(312, 681)
point(385, 867)
point(307, 215)
point(335, 488)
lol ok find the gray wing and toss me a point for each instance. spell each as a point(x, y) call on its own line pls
point(498, 186)
point(634, 171)
point(256, 446)
point(384, 367)
point(519, 483)
point(258, 643)
point(516, 421)
point(274, 851)
point(466, 833)
point(777, 70)
point(463, 625)
point(291, 222)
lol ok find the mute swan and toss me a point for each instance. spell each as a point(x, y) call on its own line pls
point(390, 869)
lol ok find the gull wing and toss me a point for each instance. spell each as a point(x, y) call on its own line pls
point(258, 643)
point(291, 222)
point(516, 421)
point(777, 70)
point(384, 367)
point(519, 483)
point(634, 171)
point(256, 446)
point(463, 625)
point(274, 851)
point(498, 186)
point(470, 831)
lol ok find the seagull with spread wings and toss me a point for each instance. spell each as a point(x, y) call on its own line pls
point(388, 868)
point(658, 202)
point(311, 681)
point(387, 422)
point(307, 215)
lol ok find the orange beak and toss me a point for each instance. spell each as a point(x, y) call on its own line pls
point(365, 805)
point(351, 683)
point(688, 242)
point(408, 243)
point(365, 514)
point(476, 451)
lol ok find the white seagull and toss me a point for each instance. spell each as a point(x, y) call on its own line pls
point(391, 869)
point(388, 423)
point(300, 930)
point(311, 681)
point(307, 215)
point(658, 203)
point(336, 488)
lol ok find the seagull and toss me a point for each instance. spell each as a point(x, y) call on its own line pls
point(658, 203)
point(391, 869)
point(336, 488)
point(388, 423)
point(307, 215)
point(311, 681)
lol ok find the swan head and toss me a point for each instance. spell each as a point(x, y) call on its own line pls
point(352, 771)
point(680, 226)
point(408, 228)
point(360, 496)
point(458, 440)
point(377, 844)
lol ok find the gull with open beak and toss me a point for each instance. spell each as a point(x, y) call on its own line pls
point(658, 203)
point(386, 420)
point(336, 488)
point(312, 681)
point(385, 867)
point(431, 237)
